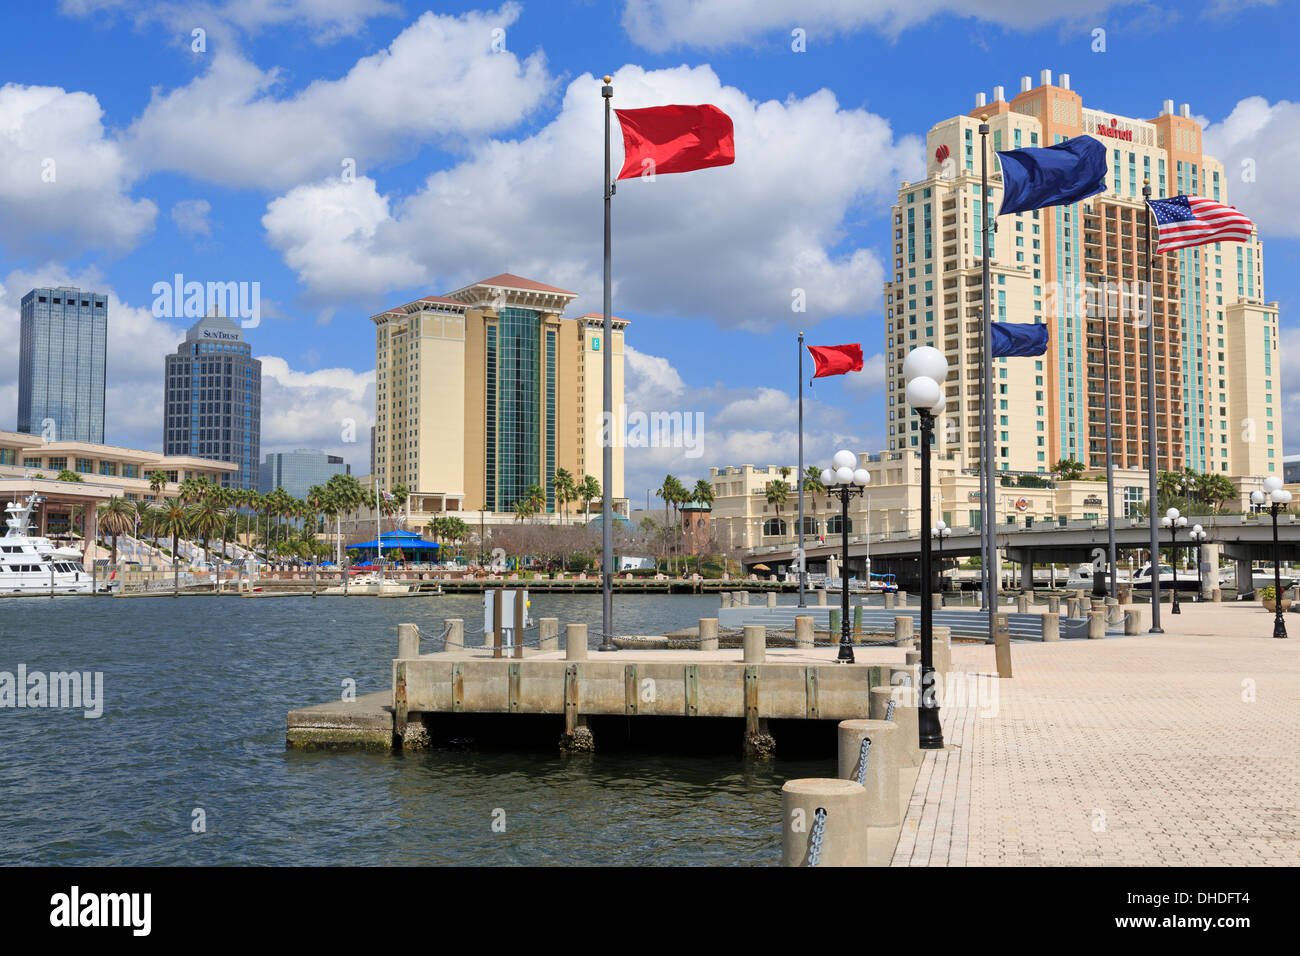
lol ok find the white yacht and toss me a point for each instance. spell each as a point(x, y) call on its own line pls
point(371, 584)
point(1182, 580)
point(30, 565)
point(1081, 577)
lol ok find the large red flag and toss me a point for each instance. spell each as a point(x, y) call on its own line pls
point(836, 359)
point(675, 139)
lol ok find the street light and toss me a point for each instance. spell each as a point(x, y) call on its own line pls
point(939, 532)
point(924, 370)
point(1173, 521)
point(1198, 537)
point(1277, 497)
point(843, 480)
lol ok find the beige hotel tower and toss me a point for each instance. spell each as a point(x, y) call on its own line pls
point(487, 390)
point(1218, 377)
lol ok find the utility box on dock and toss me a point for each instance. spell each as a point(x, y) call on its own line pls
point(510, 606)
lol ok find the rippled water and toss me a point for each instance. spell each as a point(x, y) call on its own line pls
point(196, 690)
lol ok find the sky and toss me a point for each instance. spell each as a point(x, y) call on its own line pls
point(352, 155)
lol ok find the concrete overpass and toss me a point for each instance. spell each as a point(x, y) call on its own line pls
point(1240, 538)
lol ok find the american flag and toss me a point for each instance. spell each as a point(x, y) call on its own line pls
point(1194, 221)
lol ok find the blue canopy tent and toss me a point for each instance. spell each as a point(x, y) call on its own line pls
point(412, 546)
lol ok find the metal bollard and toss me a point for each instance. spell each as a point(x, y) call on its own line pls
point(408, 641)
point(575, 642)
point(708, 633)
point(823, 823)
point(1096, 625)
point(548, 634)
point(904, 630)
point(455, 639)
point(880, 776)
point(755, 644)
point(803, 632)
point(1051, 628)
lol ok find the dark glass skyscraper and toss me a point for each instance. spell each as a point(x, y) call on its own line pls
point(63, 340)
point(213, 399)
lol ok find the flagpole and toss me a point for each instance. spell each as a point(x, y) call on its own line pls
point(607, 456)
point(802, 560)
point(988, 536)
point(1110, 459)
point(1151, 423)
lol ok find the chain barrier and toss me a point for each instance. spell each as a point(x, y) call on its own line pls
point(818, 835)
point(862, 760)
point(889, 711)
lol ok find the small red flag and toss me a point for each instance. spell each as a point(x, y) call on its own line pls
point(836, 359)
point(675, 139)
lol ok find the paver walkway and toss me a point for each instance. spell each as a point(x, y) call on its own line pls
point(1162, 750)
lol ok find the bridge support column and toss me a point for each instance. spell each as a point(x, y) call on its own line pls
point(1027, 572)
point(1244, 583)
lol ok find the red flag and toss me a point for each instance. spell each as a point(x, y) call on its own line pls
point(675, 139)
point(836, 359)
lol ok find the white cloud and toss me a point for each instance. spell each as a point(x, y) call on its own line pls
point(660, 25)
point(729, 244)
point(438, 81)
point(756, 426)
point(63, 185)
point(333, 234)
point(330, 409)
point(191, 217)
point(1259, 146)
point(871, 379)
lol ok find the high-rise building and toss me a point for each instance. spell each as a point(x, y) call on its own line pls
point(63, 343)
point(1216, 372)
point(488, 390)
point(296, 471)
point(212, 404)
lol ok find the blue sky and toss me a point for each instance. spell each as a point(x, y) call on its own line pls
point(227, 164)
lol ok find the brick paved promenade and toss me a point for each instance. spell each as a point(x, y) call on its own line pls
point(1146, 751)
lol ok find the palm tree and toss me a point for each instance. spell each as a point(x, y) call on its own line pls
point(157, 482)
point(522, 510)
point(205, 519)
point(536, 498)
point(565, 489)
point(117, 517)
point(778, 493)
point(812, 486)
point(588, 491)
point(1167, 485)
point(1068, 469)
point(66, 475)
point(172, 520)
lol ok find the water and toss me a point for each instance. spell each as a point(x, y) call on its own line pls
point(195, 695)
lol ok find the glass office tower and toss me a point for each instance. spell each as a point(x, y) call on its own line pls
point(63, 339)
point(212, 404)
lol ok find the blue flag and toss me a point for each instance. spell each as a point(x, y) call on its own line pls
point(1010, 339)
point(1052, 175)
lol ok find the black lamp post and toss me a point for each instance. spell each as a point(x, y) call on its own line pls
point(843, 480)
point(1277, 498)
point(1173, 521)
point(939, 532)
point(924, 370)
point(1198, 536)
